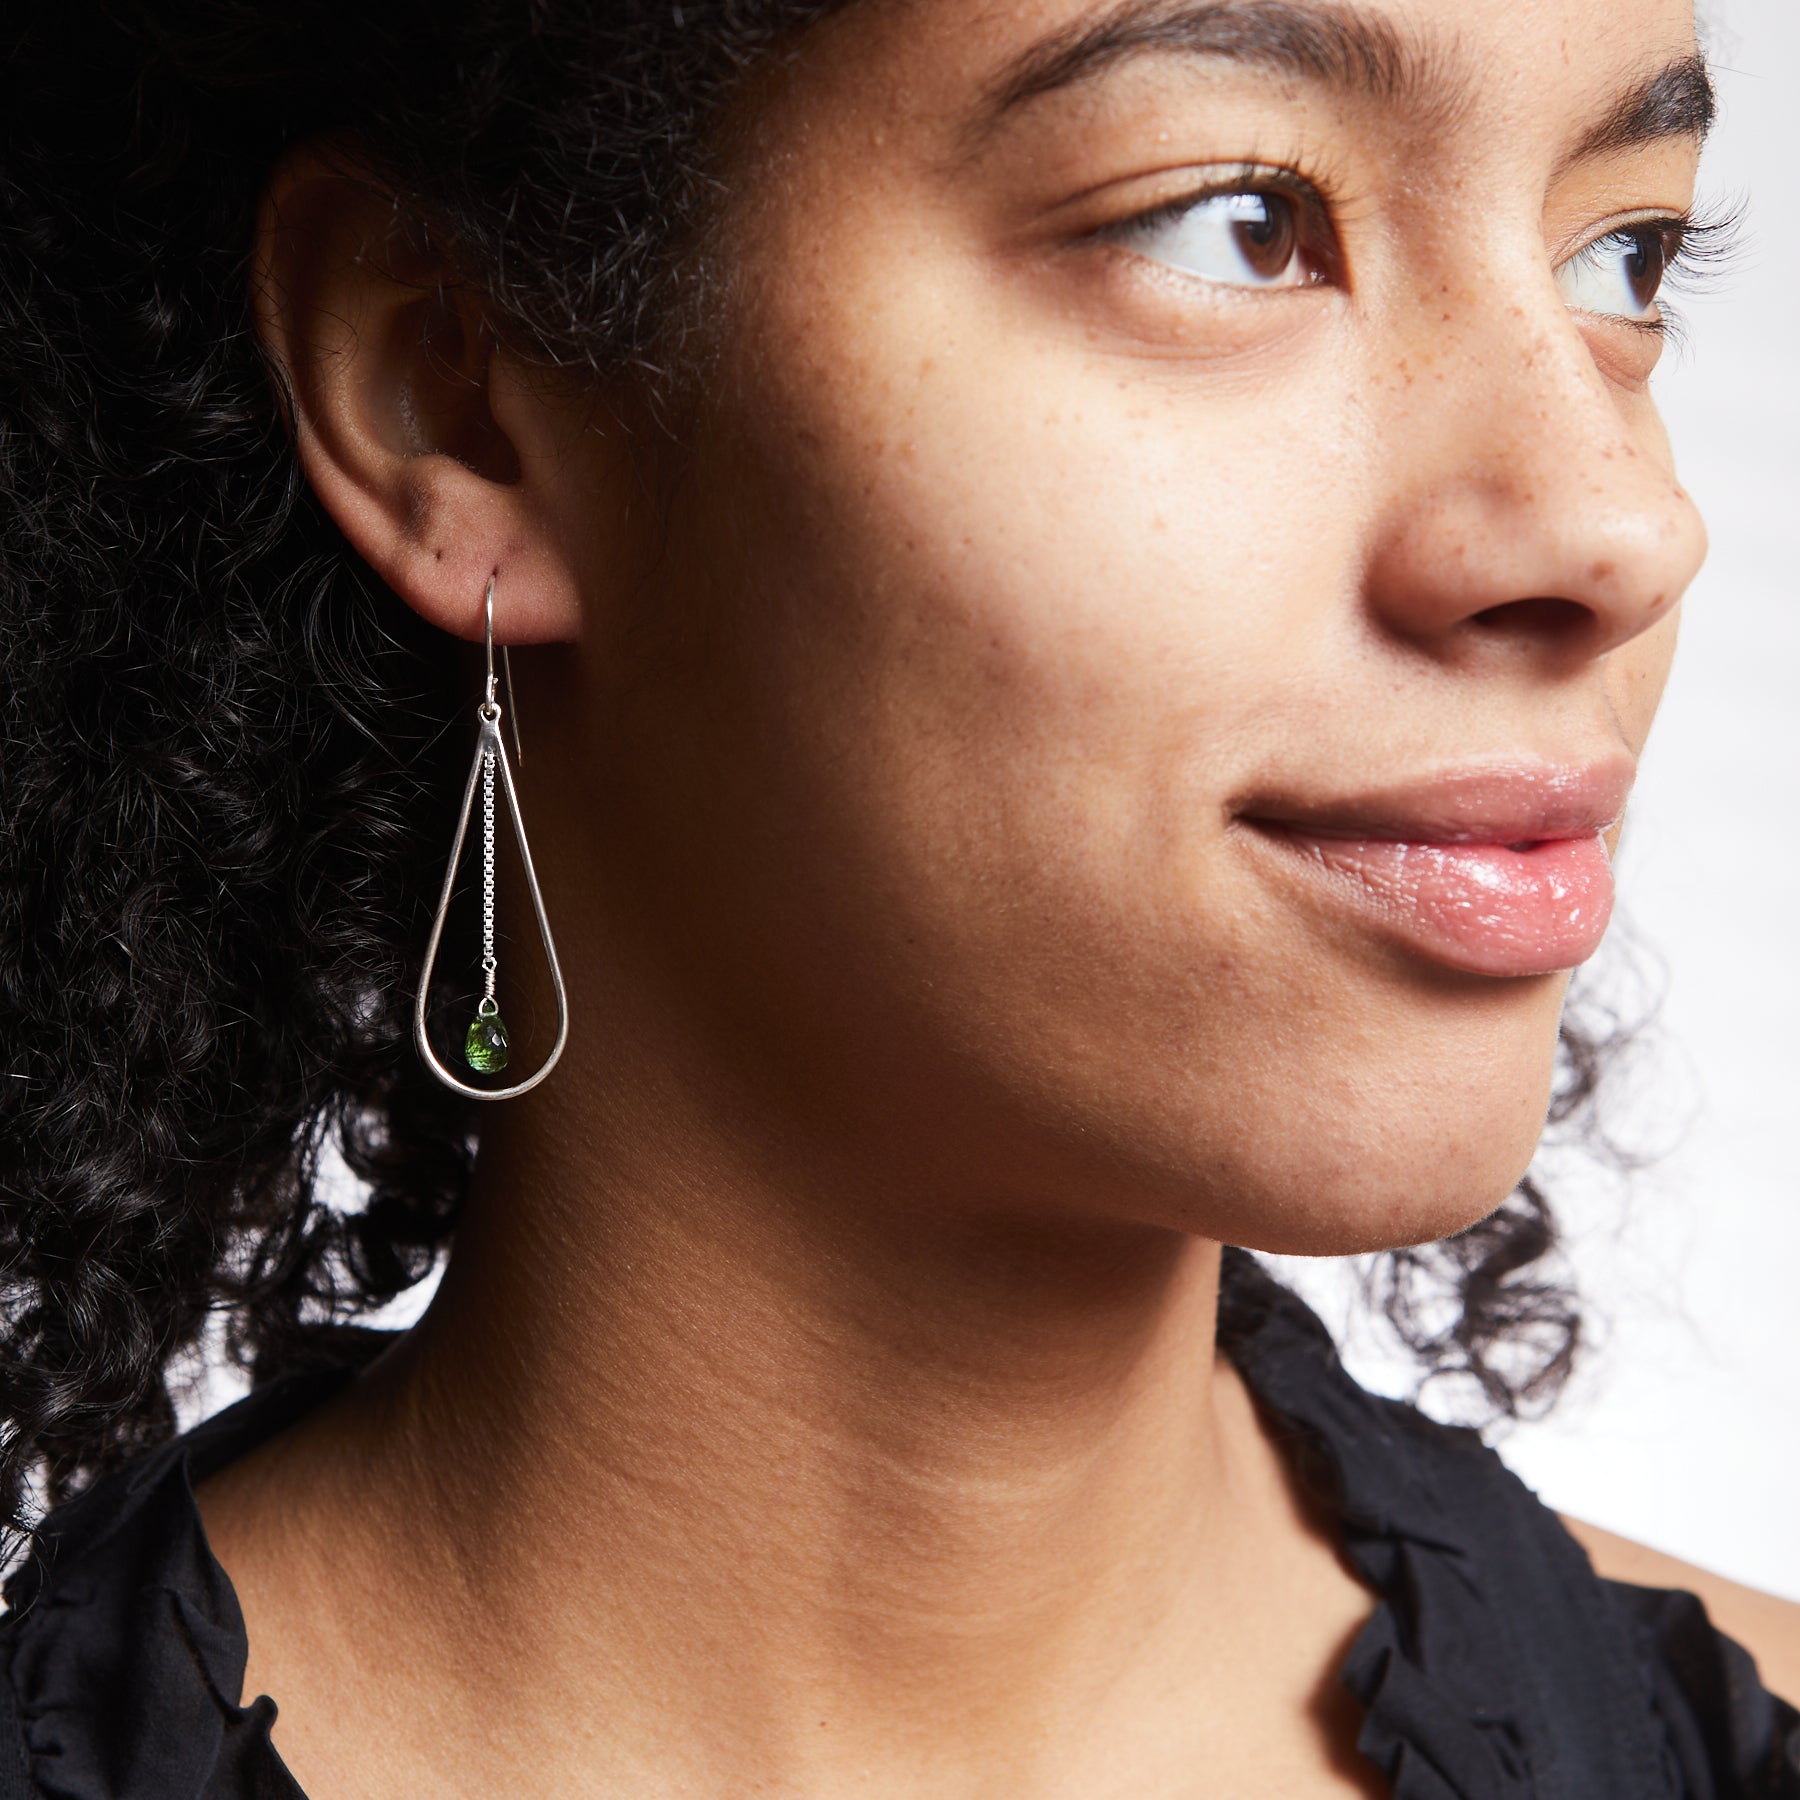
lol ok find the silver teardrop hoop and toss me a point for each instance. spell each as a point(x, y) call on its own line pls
point(490, 761)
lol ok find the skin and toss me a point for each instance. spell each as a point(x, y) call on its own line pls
point(821, 1398)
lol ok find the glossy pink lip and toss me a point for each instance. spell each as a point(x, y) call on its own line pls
point(1498, 871)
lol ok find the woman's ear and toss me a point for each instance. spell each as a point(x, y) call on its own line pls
point(439, 457)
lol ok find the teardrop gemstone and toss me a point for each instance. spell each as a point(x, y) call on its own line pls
point(488, 1047)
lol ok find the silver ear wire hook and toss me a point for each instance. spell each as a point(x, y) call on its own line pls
point(512, 703)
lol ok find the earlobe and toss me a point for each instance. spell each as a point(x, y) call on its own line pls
point(439, 460)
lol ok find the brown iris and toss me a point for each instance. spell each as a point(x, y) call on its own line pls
point(1646, 264)
point(1267, 232)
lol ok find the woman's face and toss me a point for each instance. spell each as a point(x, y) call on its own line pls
point(1172, 572)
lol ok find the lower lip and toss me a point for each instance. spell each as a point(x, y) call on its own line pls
point(1486, 908)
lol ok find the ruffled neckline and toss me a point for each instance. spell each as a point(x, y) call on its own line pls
point(1496, 1665)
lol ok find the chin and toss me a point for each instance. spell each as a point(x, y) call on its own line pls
point(1355, 1154)
point(1356, 1225)
point(1373, 1184)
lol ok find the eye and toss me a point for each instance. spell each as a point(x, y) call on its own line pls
point(1244, 238)
point(1620, 275)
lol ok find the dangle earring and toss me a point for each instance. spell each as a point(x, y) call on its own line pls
point(486, 1048)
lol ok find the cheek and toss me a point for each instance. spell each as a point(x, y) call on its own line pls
point(1024, 626)
point(1023, 560)
point(999, 640)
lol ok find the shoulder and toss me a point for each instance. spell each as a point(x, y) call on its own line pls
point(1769, 1628)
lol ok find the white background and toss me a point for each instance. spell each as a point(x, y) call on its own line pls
point(1683, 1428)
point(1687, 1431)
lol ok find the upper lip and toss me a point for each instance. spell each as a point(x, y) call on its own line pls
point(1489, 803)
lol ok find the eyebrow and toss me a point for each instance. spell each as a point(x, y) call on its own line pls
point(1337, 46)
point(1677, 101)
point(1318, 43)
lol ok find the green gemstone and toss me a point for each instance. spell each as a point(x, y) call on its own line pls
point(487, 1048)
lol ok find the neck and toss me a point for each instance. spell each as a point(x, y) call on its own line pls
point(894, 1456)
point(849, 1470)
point(813, 1372)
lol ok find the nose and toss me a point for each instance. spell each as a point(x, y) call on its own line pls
point(1533, 509)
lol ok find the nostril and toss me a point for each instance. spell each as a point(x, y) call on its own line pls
point(1541, 616)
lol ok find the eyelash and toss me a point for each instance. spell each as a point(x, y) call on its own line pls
point(1702, 244)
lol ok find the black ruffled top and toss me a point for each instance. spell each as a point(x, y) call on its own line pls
point(1496, 1666)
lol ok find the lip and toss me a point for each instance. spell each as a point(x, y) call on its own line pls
point(1496, 870)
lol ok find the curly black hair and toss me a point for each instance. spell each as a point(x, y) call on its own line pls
point(226, 777)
